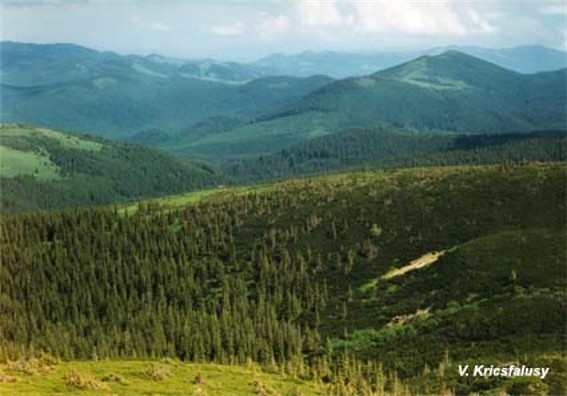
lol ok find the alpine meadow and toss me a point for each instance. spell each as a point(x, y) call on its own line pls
point(341, 198)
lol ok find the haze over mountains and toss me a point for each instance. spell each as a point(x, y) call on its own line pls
point(252, 126)
point(71, 87)
point(170, 103)
point(448, 92)
point(15, 55)
point(523, 59)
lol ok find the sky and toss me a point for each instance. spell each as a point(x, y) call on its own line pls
point(247, 30)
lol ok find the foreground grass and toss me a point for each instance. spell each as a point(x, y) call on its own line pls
point(144, 377)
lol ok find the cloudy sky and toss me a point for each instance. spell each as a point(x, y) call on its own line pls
point(245, 30)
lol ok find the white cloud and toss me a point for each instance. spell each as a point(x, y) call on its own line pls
point(259, 27)
point(233, 29)
point(322, 14)
point(441, 17)
point(479, 23)
point(159, 26)
point(408, 17)
point(554, 9)
point(33, 3)
point(274, 24)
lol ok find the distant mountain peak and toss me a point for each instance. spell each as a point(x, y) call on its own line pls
point(54, 47)
point(453, 53)
point(451, 69)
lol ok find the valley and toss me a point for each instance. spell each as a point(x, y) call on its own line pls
point(323, 223)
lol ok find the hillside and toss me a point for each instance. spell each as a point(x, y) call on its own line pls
point(390, 147)
point(43, 169)
point(451, 91)
point(75, 88)
point(27, 64)
point(300, 277)
point(448, 92)
point(146, 377)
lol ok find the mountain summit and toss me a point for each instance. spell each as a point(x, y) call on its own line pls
point(451, 69)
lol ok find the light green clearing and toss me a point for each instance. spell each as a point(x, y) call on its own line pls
point(278, 85)
point(365, 82)
point(103, 82)
point(14, 162)
point(418, 73)
point(216, 380)
point(214, 79)
point(437, 83)
point(69, 141)
point(196, 196)
point(143, 69)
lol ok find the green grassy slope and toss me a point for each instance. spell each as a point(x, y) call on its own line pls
point(298, 267)
point(134, 377)
point(44, 168)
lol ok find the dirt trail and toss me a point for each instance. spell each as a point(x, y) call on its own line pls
point(426, 259)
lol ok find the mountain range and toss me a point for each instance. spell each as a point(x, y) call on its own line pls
point(75, 88)
point(218, 117)
point(385, 281)
point(523, 59)
point(40, 64)
point(451, 92)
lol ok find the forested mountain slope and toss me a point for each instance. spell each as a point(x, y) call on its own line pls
point(450, 92)
point(43, 169)
point(389, 147)
point(298, 275)
point(75, 88)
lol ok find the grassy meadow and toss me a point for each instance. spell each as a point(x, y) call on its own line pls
point(36, 377)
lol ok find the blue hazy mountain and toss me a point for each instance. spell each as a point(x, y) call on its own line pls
point(523, 59)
